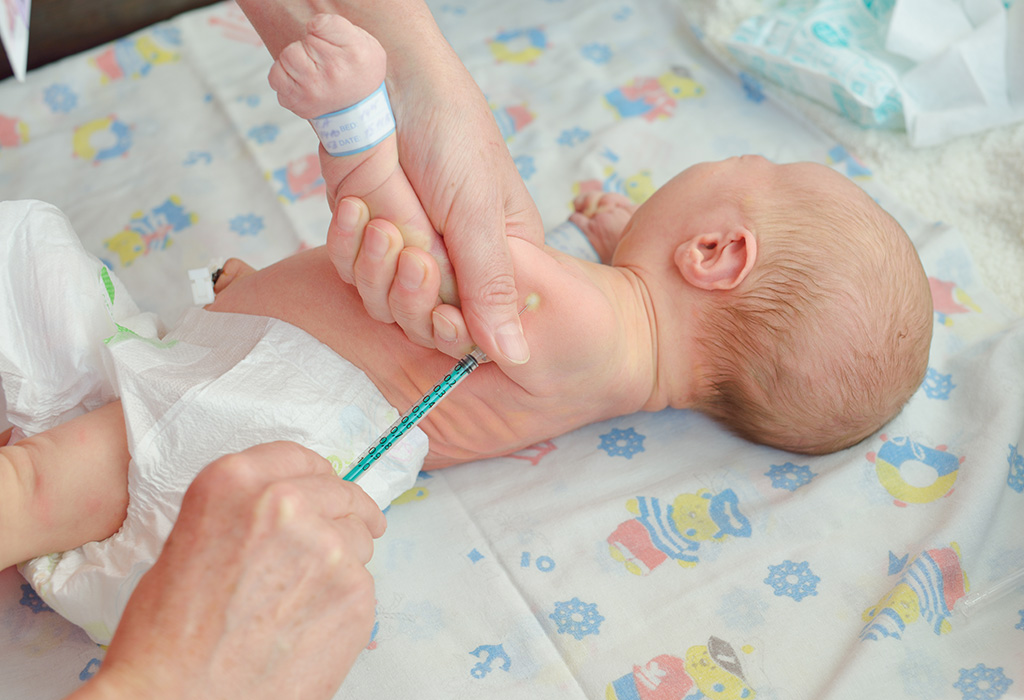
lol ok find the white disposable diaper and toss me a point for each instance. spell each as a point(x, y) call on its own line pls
point(72, 340)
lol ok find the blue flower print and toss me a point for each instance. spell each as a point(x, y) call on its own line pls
point(247, 224)
point(794, 580)
point(573, 136)
point(622, 443)
point(490, 655)
point(576, 618)
point(525, 166)
point(789, 476)
point(265, 133)
point(60, 98)
point(982, 683)
point(598, 54)
point(937, 385)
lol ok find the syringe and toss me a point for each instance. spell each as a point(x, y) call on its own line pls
point(414, 415)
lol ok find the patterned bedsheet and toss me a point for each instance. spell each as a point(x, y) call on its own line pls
point(652, 556)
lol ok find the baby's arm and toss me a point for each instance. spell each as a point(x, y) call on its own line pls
point(335, 66)
point(602, 216)
point(64, 487)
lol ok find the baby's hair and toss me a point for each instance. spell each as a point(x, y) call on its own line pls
point(828, 337)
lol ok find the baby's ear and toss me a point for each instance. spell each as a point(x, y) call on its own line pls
point(719, 260)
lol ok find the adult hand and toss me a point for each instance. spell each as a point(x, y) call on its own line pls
point(459, 165)
point(260, 591)
point(453, 155)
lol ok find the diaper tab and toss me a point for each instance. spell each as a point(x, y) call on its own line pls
point(359, 127)
point(202, 286)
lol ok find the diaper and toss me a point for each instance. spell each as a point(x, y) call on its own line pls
point(71, 340)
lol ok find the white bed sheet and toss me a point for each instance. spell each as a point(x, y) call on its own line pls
point(497, 579)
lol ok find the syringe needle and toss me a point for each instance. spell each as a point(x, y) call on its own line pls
point(414, 415)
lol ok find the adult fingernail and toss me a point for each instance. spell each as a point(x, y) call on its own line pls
point(512, 343)
point(411, 272)
point(375, 243)
point(444, 328)
point(347, 215)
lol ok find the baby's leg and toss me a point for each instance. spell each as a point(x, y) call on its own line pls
point(64, 487)
point(602, 216)
point(335, 66)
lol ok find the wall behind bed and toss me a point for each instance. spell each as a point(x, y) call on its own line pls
point(59, 28)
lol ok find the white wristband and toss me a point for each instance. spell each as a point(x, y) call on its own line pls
point(356, 128)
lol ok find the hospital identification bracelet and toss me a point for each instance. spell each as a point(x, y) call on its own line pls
point(356, 128)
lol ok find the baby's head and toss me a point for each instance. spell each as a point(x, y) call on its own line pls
point(811, 315)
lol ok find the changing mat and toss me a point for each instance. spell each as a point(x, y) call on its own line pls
point(564, 571)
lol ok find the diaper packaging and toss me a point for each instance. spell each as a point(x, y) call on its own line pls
point(71, 340)
point(938, 68)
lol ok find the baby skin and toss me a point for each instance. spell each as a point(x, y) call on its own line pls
point(606, 339)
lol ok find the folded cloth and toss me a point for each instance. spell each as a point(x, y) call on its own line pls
point(939, 68)
point(72, 340)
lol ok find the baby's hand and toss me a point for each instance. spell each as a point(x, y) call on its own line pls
point(602, 216)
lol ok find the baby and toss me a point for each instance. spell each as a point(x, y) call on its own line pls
point(778, 299)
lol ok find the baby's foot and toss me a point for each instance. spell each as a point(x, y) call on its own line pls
point(333, 67)
point(602, 216)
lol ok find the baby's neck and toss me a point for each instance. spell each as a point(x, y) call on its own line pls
point(631, 301)
point(657, 322)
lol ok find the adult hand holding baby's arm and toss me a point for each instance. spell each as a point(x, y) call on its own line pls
point(260, 591)
point(456, 160)
point(452, 153)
